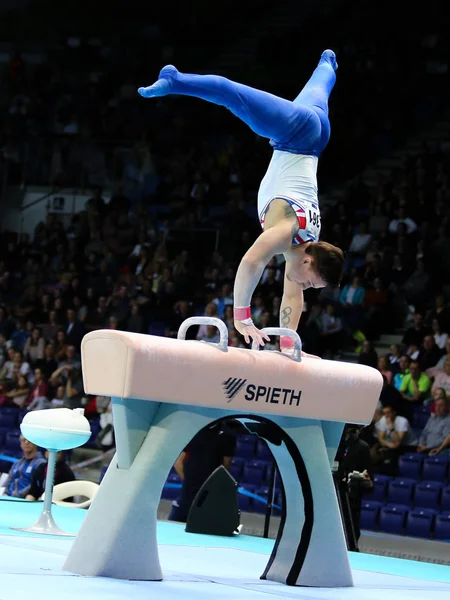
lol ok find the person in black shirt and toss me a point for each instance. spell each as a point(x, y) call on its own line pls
point(211, 447)
point(354, 455)
point(414, 335)
point(63, 473)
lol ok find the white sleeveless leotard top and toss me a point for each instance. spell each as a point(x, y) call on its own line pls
point(293, 178)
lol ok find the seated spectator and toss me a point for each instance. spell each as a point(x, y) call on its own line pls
point(225, 297)
point(410, 225)
point(50, 329)
point(331, 331)
point(74, 329)
point(60, 345)
point(443, 448)
point(417, 286)
point(135, 322)
point(6, 372)
point(394, 357)
point(21, 473)
point(360, 242)
point(19, 395)
point(403, 370)
point(228, 317)
point(58, 400)
point(441, 377)
point(34, 347)
point(441, 362)
point(383, 367)
point(210, 311)
point(234, 339)
point(437, 428)
point(212, 335)
point(441, 312)
point(38, 395)
point(368, 355)
point(415, 386)
point(353, 294)
point(414, 335)
point(257, 308)
point(440, 337)
point(74, 389)
point(71, 359)
point(429, 354)
point(48, 364)
point(63, 473)
point(394, 438)
point(20, 368)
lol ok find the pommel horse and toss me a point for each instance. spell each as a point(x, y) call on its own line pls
point(165, 390)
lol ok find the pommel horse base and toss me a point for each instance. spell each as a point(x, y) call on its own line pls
point(164, 391)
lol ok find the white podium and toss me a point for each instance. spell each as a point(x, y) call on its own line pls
point(164, 391)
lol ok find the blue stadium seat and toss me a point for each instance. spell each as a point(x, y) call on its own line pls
point(20, 416)
point(236, 471)
point(410, 465)
point(262, 451)
point(157, 328)
point(245, 446)
point(2, 438)
point(420, 416)
point(400, 491)
point(370, 510)
point(392, 519)
point(254, 472)
point(12, 441)
point(435, 468)
point(445, 499)
point(380, 483)
point(9, 410)
point(102, 474)
point(170, 493)
point(246, 503)
point(8, 420)
point(427, 494)
point(420, 522)
point(95, 430)
point(442, 527)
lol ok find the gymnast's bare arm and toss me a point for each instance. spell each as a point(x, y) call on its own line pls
point(276, 239)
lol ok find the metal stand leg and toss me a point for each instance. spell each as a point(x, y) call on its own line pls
point(45, 523)
point(270, 501)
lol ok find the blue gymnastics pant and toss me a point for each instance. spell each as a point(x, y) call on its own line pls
point(299, 127)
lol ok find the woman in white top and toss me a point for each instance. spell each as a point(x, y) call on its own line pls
point(439, 337)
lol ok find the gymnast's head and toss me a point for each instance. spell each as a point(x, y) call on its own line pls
point(316, 265)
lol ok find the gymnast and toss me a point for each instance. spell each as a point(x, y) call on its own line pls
point(288, 205)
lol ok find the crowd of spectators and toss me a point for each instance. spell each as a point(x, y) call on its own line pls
point(149, 257)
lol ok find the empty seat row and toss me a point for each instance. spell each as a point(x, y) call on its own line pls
point(253, 471)
point(251, 447)
point(10, 440)
point(409, 492)
point(11, 418)
point(401, 520)
point(429, 468)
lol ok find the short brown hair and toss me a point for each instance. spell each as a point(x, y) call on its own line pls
point(328, 261)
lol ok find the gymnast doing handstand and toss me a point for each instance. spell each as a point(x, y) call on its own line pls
point(288, 205)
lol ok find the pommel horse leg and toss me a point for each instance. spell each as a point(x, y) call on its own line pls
point(311, 523)
point(118, 536)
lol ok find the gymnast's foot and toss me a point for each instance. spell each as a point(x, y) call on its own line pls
point(329, 57)
point(163, 86)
